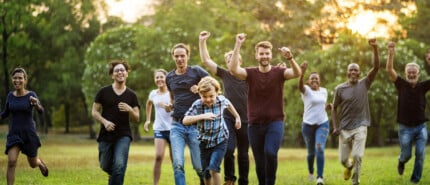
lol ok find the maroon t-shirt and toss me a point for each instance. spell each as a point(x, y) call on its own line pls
point(265, 95)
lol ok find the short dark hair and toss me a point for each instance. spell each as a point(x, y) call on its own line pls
point(181, 45)
point(115, 62)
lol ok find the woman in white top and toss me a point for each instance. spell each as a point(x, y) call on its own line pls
point(160, 98)
point(315, 127)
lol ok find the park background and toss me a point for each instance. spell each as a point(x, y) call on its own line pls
point(65, 47)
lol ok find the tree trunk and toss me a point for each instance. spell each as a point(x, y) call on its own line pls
point(91, 131)
point(67, 117)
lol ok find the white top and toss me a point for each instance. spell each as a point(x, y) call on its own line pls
point(163, 119)
point(314, 105)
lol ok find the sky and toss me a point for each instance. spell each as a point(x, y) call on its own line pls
point(129, 10)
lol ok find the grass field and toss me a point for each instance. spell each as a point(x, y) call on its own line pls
point(72, 159)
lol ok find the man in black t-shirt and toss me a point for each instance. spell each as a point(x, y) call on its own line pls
point(410, 114)
point(113, 107)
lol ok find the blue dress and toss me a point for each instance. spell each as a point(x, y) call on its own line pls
point(22, 130)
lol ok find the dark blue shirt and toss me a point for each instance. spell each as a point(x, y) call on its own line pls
point(180, 85)
point(21, 112)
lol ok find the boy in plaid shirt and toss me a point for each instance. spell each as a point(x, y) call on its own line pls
point(207, 112)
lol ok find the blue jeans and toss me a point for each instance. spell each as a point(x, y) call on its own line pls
point(113, 159)
point(179, 136)
point(265, 141)
point(315, 137)
point(212, 158)
point(407, 136)
point(237, 138)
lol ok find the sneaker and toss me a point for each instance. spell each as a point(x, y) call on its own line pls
point(400, 168)
point(347, 173)
point(320, 181)
point(311, 177)
point(43, 168)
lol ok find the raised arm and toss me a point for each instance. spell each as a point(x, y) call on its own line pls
point(234, 67)
point(372, 73)
point(294, 70)
point(301, 79)
point(204, 54)
point(390, 68)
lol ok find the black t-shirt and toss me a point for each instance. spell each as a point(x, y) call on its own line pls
point(236, 91)
point(411, 102)
point(107, 98)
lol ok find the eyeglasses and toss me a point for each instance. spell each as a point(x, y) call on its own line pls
point(119, 70)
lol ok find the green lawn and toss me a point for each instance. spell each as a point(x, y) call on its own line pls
point(73, 160)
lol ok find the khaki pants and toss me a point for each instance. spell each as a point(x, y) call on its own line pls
point(352, 144)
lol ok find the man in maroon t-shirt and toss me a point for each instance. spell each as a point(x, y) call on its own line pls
point(265, 104)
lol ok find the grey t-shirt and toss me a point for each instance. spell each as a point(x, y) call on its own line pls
point(353, 103)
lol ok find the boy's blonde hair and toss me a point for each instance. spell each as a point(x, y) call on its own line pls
point(208, 83)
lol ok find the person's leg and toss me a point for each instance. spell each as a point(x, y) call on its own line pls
point(405, 141)
point(242, 153)
point(229, 170)
point(160, 145)
point(421, 140)
point(273, 140)
point(215, 161)
point(256, 133)
point(12, 158)
point(321, 138)
point(37, 162)
point(358, 147)
point(345, 147)
point(105, 156)
point(177, 142)
point(193, 144)
point(205, 155)
point(120, 158)
point(308, 132)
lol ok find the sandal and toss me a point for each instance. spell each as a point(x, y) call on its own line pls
point(43, 168)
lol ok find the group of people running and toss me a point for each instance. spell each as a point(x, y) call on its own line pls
point(189, 110)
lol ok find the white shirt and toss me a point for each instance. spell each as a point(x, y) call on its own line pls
point(314, 105)
point(163, 119)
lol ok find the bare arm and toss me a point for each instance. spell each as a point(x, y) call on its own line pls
point(133, 112)
point(148, 111)
point(188, 120)
point(96, 113)
point(336, 130)
point(389, 67)
point(294, 70)
point(375, 68)
point(204, 53)
point(238, 122)
point(301, 80)
point(234, 66)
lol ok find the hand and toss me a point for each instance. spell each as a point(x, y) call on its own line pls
point(208, 116)
point(329, 106)
point(391, 46)
point(123, 107)
point(238, 124)
point(194, 89)
point(167, 107)
point(109, 126)
point(204, 35)
point(240, 38)
point(286, 52)
point(304, 66)
point(145, 126)
point(372, 42)
point(34, 101)
point(335, 132)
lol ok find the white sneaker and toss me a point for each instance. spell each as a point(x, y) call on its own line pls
point(320, 181)
point(311, 177)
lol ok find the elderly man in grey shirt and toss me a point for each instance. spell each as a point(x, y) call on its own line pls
point(354, 116)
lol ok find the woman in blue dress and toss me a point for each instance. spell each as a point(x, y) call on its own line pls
point(22, 135)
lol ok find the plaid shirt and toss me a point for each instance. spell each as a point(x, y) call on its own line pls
point(212, 132)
